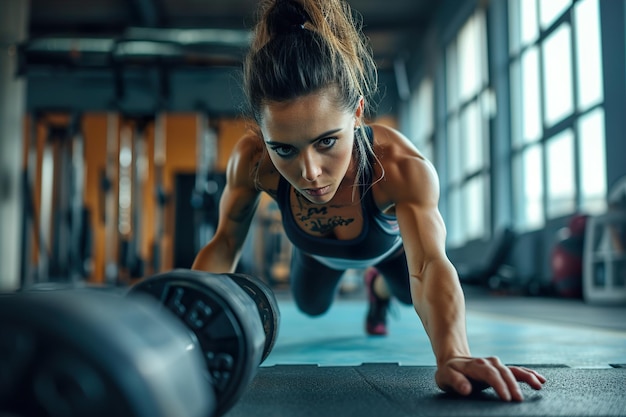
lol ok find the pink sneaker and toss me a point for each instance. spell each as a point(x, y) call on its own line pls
point(376, 320)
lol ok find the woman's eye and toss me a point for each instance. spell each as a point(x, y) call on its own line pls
point(327, 142)
point(283, 151)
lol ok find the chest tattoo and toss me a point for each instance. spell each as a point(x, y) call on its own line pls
point(312, 211)
point(324, 226)
point(317, 220)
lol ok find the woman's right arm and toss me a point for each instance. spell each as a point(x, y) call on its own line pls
point(238, 204)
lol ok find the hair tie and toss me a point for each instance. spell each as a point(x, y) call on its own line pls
point(287, 17)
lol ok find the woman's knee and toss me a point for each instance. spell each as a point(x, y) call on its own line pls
point(312, 284)
point(311, 307)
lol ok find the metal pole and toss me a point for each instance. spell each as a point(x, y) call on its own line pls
point(13, 29)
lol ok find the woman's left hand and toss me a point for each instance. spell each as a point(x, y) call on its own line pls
point(464, 375)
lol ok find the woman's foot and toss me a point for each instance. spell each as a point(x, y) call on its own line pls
point(376, 320)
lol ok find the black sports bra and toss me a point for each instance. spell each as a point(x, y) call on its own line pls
point(379, 238)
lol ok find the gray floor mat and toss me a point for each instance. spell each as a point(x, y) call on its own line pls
point(390, 390)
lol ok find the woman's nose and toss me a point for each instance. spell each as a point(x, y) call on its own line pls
point(311, 168)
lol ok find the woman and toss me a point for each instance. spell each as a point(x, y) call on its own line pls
point(351, 195)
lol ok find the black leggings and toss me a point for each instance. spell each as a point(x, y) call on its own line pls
point(313, 284)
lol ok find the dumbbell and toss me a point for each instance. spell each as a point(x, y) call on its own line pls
point(84, 352)
point(226, 318)
point(267, 307)
point(233, 317)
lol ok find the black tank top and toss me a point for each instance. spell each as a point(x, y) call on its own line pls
point(379, 238)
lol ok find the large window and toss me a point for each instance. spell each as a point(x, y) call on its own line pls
point(557, 115)
point(467, 132)
point(422, 118)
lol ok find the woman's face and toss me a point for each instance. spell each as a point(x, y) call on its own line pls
point(310, 141)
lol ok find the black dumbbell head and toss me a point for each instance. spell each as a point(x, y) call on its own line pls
point(267, 306)
point(224, 320)
point(91, 353)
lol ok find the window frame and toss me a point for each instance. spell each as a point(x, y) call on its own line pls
point(548, 132)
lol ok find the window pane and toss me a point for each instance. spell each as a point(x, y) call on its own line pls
point(474, 208)
point(514, 26)
point(592, 162)
point(481, 39)
point(531, 114)
point(472, 139)
point(528, 189)
point(469, 64)
point(533, 187)
point(529, 26)
point(560, 170)
point(455, 160)
point(455, 218)
point(422, 112)
point(550, 10)
point(486, 110)
point(557, 71)
point(589, 53)
point(452, 77)
point(517, 174)
point(515, 82)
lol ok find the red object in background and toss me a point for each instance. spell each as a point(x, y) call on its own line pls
point(567, 259)
point(577, 225)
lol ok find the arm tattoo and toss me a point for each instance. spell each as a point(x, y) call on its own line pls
point(245, 213)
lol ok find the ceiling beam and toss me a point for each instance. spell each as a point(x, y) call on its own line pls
point(147, 12)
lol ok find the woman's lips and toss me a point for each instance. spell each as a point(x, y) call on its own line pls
point(316, 192)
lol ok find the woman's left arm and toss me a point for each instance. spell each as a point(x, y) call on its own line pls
point(436, 291)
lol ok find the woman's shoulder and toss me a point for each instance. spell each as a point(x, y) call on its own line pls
point(391, 139)
point(249, 145)
point(391, 147)
point(249, 162)
point(401, 161)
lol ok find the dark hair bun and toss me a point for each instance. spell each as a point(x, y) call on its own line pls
point(286, 16)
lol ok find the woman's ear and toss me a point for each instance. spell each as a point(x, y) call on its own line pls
point(358, 113)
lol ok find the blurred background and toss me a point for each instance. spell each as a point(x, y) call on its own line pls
point(117, 118)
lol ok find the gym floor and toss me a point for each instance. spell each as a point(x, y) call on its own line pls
point(581, 348)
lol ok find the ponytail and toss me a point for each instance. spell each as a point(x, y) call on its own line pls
point(302, 46)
